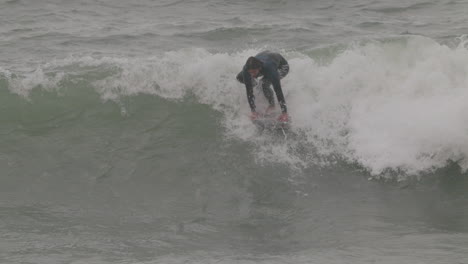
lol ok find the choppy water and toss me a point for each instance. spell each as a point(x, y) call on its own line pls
point(124, 135)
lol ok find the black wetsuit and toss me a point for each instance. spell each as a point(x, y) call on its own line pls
point(275, 67)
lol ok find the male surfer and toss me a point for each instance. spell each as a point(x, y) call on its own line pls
point(273, 67)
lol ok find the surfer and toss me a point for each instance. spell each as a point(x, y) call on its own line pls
point(272, 67)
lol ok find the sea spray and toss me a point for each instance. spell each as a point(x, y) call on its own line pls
point(397, 104)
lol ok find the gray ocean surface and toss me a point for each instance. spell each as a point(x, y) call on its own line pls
point(125, 138)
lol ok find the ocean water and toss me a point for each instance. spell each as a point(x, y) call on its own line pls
point(125, 138)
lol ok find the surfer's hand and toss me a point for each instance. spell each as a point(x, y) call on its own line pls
point(284, 117)
point(270, 109)
point(253, 116)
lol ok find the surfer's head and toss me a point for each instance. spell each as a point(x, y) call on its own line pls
point(254, 66)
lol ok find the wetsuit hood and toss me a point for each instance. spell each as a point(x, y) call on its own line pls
point(253, 63)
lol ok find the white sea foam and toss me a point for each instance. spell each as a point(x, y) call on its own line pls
point(398, 104)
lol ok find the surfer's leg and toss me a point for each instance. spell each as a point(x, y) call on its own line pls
point(283, 70)
point(268, 92)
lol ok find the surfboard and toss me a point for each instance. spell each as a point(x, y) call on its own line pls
point(269, 122)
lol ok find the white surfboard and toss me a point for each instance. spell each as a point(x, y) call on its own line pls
point(270, 122)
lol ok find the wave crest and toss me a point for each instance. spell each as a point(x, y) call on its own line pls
point(397, 104)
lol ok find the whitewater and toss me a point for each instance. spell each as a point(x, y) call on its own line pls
point(125, 137)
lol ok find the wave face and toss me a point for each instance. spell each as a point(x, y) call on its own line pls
point(125, 138)
point(394, 105)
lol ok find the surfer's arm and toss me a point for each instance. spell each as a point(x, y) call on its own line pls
point(249, 89)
